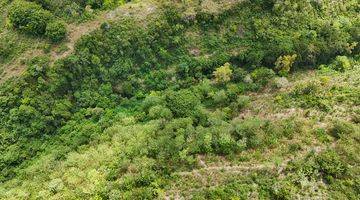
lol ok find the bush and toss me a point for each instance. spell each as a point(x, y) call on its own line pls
point(182, 103)
point(341, 63)
point(309, 88)
point(262, 75)
point(223, 74)
point(284, 190)
point(239, 74)
point(225, 144)
point(241, 103)
point(7, 48)
point(220, 98)
point(95, 4)
point(341, 128)
point(29, 17)
point(284, 63)
point(160, 112)
point(204, 89)
point(330, 165)
point(251, 131)
point(153, 99)
point(56, 31)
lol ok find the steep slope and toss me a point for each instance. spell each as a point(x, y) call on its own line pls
point(175, 102)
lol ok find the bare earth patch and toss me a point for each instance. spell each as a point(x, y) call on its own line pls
point(138, 11)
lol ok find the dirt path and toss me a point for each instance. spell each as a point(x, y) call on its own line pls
point(138, 11)
point(254, 166)
point(202, 173)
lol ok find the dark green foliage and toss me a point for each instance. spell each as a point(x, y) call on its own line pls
point(239, 74)
point(56, 31)
point(160, 112)
point(7, 48)
point(262, 75)
point(182, 103)
point(95, 3)
point(331, 166)
point(66, 107)
point(151, 100)
point(171, 144)
point(75, 9)
point(309, 96)
point(29, 17)
point(342, 129)
point(251, 131)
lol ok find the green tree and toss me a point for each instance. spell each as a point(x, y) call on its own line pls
point(341, 63)
point(182, 103)
point(284, 63)
point(223, 74)
point(56, 31)
point(29, 17)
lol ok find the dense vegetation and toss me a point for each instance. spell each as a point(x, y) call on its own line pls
point(135, 105)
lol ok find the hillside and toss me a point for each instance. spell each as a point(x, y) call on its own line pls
point(212, 99)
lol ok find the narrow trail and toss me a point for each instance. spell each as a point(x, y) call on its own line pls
point(242, 169)
point(139, 11)
point(254, 166)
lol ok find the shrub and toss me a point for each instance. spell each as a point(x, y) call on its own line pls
point(220, 98)
point(157, 80)
point(291, 126)
point(341, 63)
point(226, 144)
point(241, 102)
point(95, 4)
point(262, 75)
point(7, 48)
point(29, 17)
point(233, 90)
point(204, 89)
point(284, 63)
point(223, 74)
point(309, 88)
point(330, 165)
point(160, 112)
point(284, 190)
point(56, 31)
point(153, 99)
point(249, 130)
point(182, 103)
point(239, 74)
point(203, 141)
point(341, 128)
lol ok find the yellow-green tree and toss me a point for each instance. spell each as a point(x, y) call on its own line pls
point(223, 74)
point(284, 63)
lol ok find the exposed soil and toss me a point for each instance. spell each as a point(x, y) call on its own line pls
point(138, 11)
